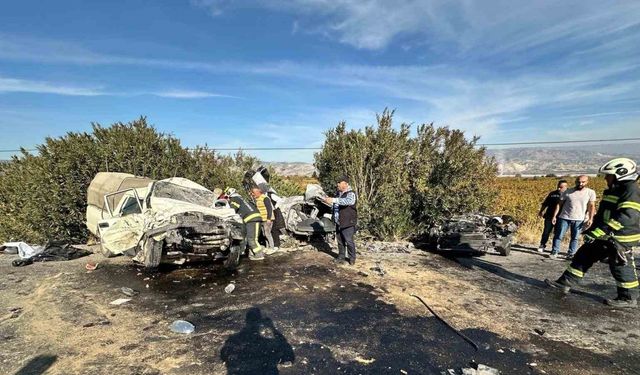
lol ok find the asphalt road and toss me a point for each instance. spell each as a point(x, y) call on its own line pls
point(299, 313)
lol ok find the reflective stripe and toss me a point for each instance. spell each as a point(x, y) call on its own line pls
point(235, 204)
point(615, 224)
point(610, 198)
point(252, 216)
point(575, 272)
point(629, 238)
point(628, 285)
point(261, 207)
point(597, 233)
point(634, 205)
point(606, 215)
point(588, 236)
point(259, 248)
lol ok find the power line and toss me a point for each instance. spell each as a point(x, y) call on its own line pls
point(559, 142)
point(320, 148)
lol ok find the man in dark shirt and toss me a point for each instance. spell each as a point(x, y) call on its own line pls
point(345, 215)
point(547, 210)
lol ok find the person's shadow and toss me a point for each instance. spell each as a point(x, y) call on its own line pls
point(257, 349)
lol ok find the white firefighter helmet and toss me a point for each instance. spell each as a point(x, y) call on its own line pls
point(230, 191)
point(623, 168)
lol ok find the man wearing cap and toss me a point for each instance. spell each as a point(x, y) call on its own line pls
point(345, 216)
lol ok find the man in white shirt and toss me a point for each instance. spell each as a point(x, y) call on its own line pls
point(575, 212)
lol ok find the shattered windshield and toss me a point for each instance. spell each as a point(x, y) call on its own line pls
point(164, 189)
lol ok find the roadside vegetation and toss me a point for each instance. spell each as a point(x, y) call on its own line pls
point(406, 179)
point(43, 195)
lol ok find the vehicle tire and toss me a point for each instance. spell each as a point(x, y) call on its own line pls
point(153, 253)
point(232, 261)
point(505, 247)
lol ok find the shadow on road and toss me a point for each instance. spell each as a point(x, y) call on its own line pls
point(38, 365)
point(498, 270)
point(257, 349)
point(528, 250)
point(324, 247)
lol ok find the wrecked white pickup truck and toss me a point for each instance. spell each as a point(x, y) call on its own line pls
point(173, 220)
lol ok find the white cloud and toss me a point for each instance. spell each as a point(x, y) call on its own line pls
point(14, 85)
point(8, 85)
point(491, 26)
point(189, 94)
point(478, 102)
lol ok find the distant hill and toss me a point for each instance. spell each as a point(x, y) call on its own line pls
point(525, 161)
point(291, 169)
point(560, 161)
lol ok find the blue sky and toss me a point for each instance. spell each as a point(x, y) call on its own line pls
point(278, 73)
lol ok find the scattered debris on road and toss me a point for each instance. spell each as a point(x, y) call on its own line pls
point(230, 288)
point(182, 326)
point(447, 324)
point(120, 301)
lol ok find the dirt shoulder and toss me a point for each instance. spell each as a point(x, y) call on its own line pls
point(298, 312)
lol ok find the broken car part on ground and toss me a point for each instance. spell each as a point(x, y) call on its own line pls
point(171, 220)
point(304, 215)
point(476, 233)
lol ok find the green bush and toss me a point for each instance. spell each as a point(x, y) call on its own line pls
point(406, 184)
point(43, 196)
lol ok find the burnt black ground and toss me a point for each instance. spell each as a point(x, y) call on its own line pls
point(298, 313)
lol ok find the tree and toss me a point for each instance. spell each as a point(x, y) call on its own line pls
point(43, 196)
point(406, 184)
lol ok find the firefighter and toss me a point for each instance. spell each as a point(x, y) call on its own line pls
point(613, 236)
point(252, 220)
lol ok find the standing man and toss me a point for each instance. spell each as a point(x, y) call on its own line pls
point(547, 209)
point(575, 211)
point(264, 205)
point(252, 220)
point(615, 234)
point(345, 216)
point(278, 222)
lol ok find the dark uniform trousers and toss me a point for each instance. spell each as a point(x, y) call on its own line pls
point(598, 250)
point(345, 242)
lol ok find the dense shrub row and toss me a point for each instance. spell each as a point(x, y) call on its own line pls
point(43, 195)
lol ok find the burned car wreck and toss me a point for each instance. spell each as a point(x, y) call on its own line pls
point(173, 220)
point(474, 233)
point(304, 215)
point(308, 214)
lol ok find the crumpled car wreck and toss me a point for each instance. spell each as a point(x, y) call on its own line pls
point(308, 214)
point(173, 220)
point(304, 215)
point(475, 233)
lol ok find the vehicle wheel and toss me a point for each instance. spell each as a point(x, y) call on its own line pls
point(505, 247)
point(232, 261)
point(153, 253)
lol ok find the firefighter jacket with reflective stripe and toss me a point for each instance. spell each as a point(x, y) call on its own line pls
point(265, 207)
point(619, 214)
point(246, 210)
